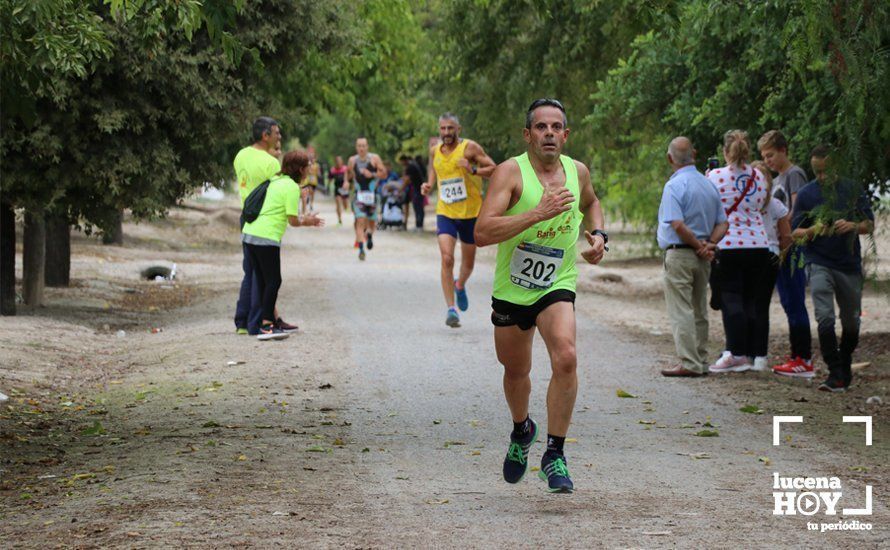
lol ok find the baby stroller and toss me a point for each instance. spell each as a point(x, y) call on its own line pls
point(393, 196)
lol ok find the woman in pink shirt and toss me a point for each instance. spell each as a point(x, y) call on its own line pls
point(744, 258)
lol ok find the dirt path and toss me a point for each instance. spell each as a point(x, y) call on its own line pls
point(378, 426)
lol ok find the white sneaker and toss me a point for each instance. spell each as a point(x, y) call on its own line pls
point(760, 364)
point(730, 363)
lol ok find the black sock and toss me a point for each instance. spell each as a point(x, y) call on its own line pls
point(555, 444)
point(521, 429)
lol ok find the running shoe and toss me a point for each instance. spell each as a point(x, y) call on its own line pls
point(271, 332)
point(797, 368)
point(759, 364)
point(240, 331)
point(285, 326)
point(730, 363)
point(516, 461)
point(556, 473)
point(370, 238)
point(453, 319)
point(361, 251)
point(833, 385)
point(461, 295)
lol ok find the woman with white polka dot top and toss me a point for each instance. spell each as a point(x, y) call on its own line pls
point(744, 258)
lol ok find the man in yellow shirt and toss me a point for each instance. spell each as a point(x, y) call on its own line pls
point(253, 165)
point(458, 166)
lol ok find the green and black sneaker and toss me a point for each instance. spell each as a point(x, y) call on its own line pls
point(556, 473)
point(516, 461)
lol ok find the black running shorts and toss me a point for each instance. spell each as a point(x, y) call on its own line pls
point(508, 314)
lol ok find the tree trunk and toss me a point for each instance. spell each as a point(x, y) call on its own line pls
point(7, 259)
point(58, 251)
point(115, 235)
point(34, 258)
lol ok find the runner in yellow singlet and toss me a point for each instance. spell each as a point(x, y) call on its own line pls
point(458, 165)
point(534, 209)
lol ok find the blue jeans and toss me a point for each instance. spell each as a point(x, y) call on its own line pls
point(248, 310)
point(792, 285)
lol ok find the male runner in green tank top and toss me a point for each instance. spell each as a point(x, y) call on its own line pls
point(534, 209)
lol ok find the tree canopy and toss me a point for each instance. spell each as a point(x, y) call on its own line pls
point(132, 103)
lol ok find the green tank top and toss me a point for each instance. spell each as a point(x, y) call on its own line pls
point(541, 259)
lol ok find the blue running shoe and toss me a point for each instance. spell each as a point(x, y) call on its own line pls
point(461, 294)
point(516, 461)
point(452, 320)
point(556, 473)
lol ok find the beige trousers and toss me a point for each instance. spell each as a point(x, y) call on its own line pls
point(686, 295)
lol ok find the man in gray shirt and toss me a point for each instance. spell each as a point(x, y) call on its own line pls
point(691, 220)
point(792, 280)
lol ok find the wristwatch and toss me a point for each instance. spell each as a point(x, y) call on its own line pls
point(474, 170)
point(602, 234)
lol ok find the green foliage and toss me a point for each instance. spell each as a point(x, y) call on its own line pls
point(43, 44)
point(814, 71)
point(381, 89)
point(496, 56)
point(166, 109)
point(633, 75)
point(132, 103)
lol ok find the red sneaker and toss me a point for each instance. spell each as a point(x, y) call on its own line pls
point(797, 368)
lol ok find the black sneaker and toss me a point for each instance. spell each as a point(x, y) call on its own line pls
point(271, 332)
point(370, 240)
point(833, 385)
point(516, 461)
point(556, 473)
point(285, 326)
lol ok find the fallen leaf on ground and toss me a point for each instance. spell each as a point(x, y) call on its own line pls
point(317, 449)
point(621, 393)
point(763, 459)
point(95, 429)
point(443, 501)
point(707, 433)
point(646, 421)
point(751, 409)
